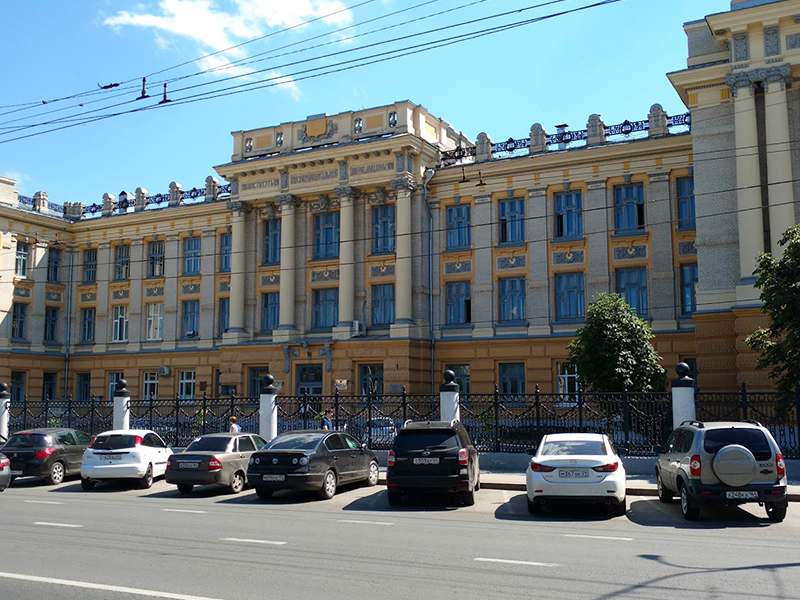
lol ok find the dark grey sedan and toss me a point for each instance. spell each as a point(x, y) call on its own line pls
point(5, 472)
point(219, 458)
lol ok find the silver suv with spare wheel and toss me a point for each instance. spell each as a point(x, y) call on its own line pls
point(726, 462)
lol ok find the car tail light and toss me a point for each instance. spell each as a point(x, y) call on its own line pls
point(463, 457)
point(138, 441)
point(694, 465)
point(44, 453)
point(94, 439)
point(214, 464)
point(169, 462)
point(609, 468)
point(780, 464)
point(390, 459)
point(4, 462)
point(541, 468)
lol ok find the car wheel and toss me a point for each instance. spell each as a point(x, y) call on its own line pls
point(467, 498)
point(395, 498)
point(688, 508)
point(328, 489)
point(534, 507)
point(621, 508)
point(237, 483)
point(185, 488)
point(776, 511)
point(56, 474)
point(478, 484)
point(663, 493)
point(372, 474)
point(88, 484)
point(146, 482)
point(263, 493)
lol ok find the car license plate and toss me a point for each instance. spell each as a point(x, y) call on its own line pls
point(426, 461)
point(573, 473)
point(16, 473)
point(190, 465)
point(741, 495)
point(112, 457)
point(273, 477)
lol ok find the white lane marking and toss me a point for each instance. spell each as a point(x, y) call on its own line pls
point(365, 522)
point(100, 586)
point(246, 541)
point(41, 502)
point(56, 524)
point(183, 510)
point(517, 562)
point(599, 537)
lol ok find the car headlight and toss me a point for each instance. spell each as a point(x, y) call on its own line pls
point(304, 460)
point(258, 460)
point(294, 461)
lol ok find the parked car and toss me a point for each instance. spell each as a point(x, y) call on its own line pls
point(311, 460)
point(433, 456)
point(50, 453)
point(219, 458)
point(5, 472)
point(125, 454)
point(576, 468)
point(379, 430)
point(722, 463)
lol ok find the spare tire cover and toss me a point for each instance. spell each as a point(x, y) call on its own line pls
point(735, 465)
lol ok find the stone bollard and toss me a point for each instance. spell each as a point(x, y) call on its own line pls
point(683, 398)
point(122, 406)
point(448, 398)
point(268, 414)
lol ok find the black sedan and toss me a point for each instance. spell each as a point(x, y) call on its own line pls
point(5, 472)
point(51, 453)
point(313, 460)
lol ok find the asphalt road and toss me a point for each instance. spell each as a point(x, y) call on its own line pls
point(123, 543)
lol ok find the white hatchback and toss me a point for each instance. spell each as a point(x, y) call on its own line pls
point(576, 468)
point(124, 454)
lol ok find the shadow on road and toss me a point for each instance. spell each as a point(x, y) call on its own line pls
point(653, 513)
point(516, 509)
point(378, 502)
point(112, 485)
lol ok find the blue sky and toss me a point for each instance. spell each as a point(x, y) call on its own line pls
point(609, 59)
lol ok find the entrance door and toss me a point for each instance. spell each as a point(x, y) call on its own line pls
point(309, 380)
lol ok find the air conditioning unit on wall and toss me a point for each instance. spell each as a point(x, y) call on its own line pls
point(163, 371)
point(358, 329)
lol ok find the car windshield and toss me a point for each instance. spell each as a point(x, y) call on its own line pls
point(441, 439)
point(752, 439)
point(114, 442)
point(211, 444)
point(568, 447)
point(295, 441)
point(28, 440)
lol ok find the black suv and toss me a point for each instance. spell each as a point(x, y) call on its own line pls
point(49, 453)
point(433, 456)
point(730, 462)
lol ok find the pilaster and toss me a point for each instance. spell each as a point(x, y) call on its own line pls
point(663, 299)
point(538, 287)
point(287, 328)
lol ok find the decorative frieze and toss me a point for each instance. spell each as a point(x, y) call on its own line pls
point(270, 210)
point(190, 288)
point(460, 266)
point(324, 204)
point(271, 279)
point(331, 130)
point(22, 292)
point(772, 41)
point(777, 74)
point(686, 248)
point(511, 262)
point(325, 275)
point(89, 297)
point(154, 292)
point(630, 252)
point(381, 167)
point(569, 257)
point(381, 196)
point(53, 296)
point(120, 294)
point(224, 286)
point(793, 41)
point(741, 47)
point(381, 271)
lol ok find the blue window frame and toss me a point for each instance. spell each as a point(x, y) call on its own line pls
point(88, 317)
point(462, 376)
point(382, 304)
point(458, 303)
point(122, 262)
point(512, 378)
point(90, 265)
point(17, 387)
point(688, 288)
point(225, 241)
point(191, 255)
point(19, 321)
point(54, 265)
point(224, 315)
point(23, 259)
point(686, 218)
point(83, 389)
point(326, 308)
point(569, 296)
point(512, 299)
point(569, 216)
point(51, 314)
point(326, 235)
point(191, 318)
point(383, 229)
point(512, 221)
point(371, 379)
point(49, 381)
point(629, 207)
point(270, 311)
point(632, 286)
point(458, 227)
point(271, 254)
point(155, 259)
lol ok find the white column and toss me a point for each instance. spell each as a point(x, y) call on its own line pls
point(289, 205)
point(122, 409)
point(403, 282)
point(238, 249)
point(268, 412)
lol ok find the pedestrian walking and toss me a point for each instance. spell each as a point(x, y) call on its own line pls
point(234, 428)
point(327, 422)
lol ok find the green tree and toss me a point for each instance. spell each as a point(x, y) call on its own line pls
point(613, 349)
point(779, 282)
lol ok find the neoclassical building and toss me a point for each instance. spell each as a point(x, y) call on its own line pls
point(370, 250)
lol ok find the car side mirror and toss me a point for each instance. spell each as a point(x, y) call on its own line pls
point(531, 451)
point(363, 445)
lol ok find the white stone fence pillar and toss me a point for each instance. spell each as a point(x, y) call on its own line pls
point(448, 398)
point(5, 410)
point(122, 406)
point(268, 410)
point(683, 396)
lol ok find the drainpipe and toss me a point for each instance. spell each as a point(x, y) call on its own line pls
point(429, 173)
point(69, 322)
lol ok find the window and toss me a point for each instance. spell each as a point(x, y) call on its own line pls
point(53, 265)
point(569, 218)
point(113, 379)
point(326, 308)
point(155, 321)
point(191, 255)
point(326, 235)
point(149, 385)
point(155, 259)
point(191, 318)
point(83, 389)
point(19, 321)
point(51, 324)
point(186, 385)
point(224, 315)
point(512, 378)
point(567, 379)
point(632, 286)
point(88, 317)
point(119, 328)
point(458, 227)
point(458, 304)
point(17, 387)
point(686, 218)
point(382, 304)
point(629, 207)
point(270, 312)
point(49, 381)
point(371, 379)
point(462, 377)
point(512, 221)
point(383, 229)
point(258, 382)
point(90, 265)
point(512, 299)
point(225, 241)
point(569, 296)
point(272, 242)
point(122, 262)
point(23, 261)
point(688, 288)
point(246, 444)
